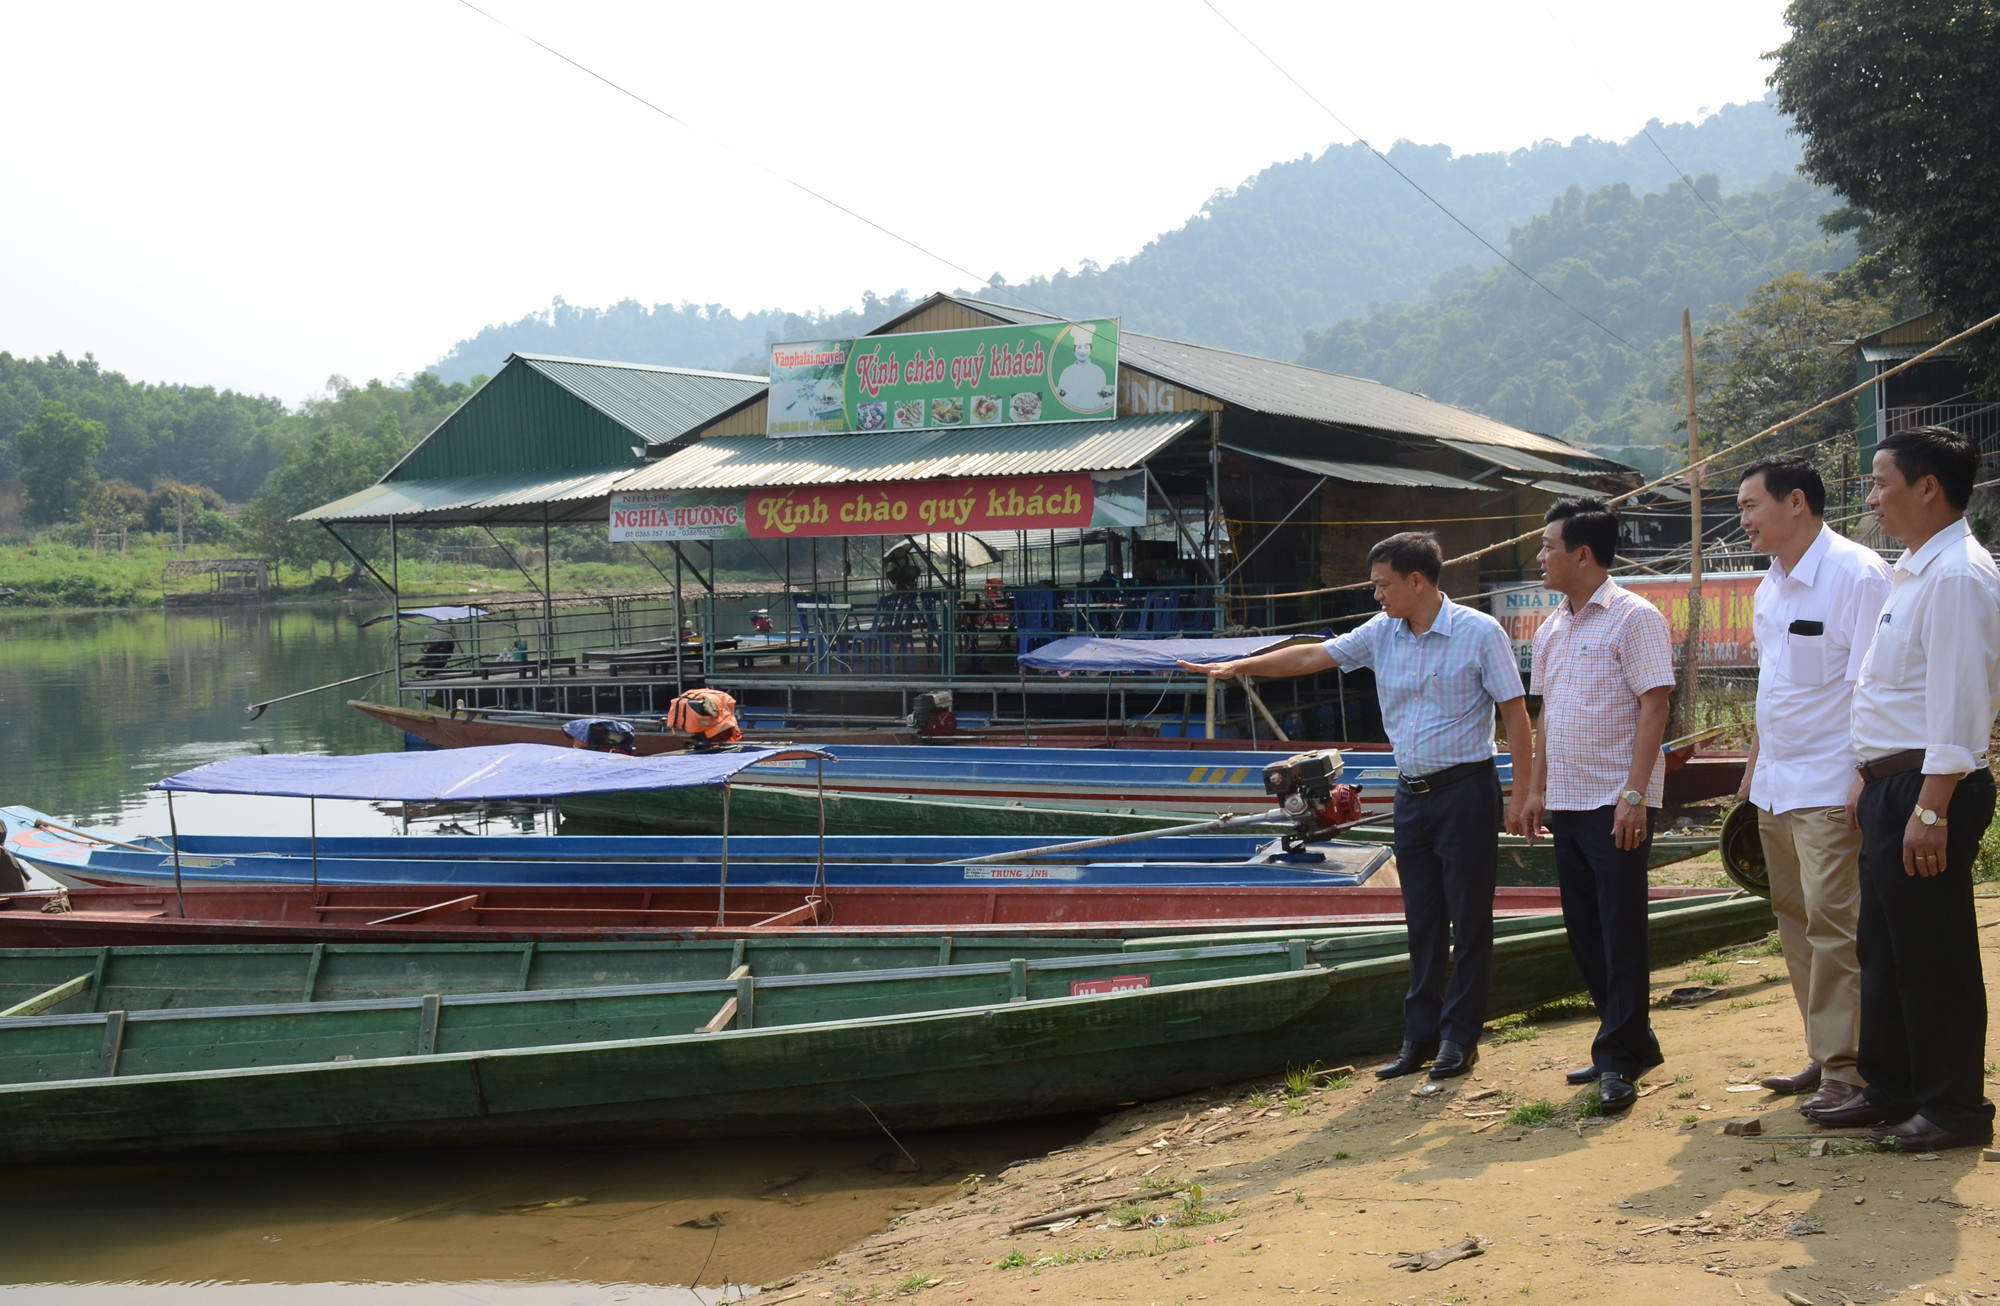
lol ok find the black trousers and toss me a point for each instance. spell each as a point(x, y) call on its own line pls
point(1447, 856)
point(1923, 993)
point(1604, 914)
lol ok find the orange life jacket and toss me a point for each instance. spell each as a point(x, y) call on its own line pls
point(705, 714)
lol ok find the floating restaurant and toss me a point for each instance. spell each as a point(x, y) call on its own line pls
point(966, 483)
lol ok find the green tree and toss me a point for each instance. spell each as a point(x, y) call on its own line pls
point(335, 462)
point(1900, 107)
point(57, 453)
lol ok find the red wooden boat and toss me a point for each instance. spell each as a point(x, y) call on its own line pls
point(457, 913)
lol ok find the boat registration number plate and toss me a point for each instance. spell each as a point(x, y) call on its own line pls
point(1116, 984)
point(1023, 873)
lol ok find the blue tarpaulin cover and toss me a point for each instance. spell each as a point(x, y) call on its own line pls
point(467, 774)
point(1084, 655)
point(435, 614)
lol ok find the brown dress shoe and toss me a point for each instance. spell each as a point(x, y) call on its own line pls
point(1832, 1093)
point(1855, 1113)
point(1804, 1082)
point(1919, 1135)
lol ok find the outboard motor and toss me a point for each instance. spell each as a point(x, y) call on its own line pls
point(1305, 785)
point(932, 716)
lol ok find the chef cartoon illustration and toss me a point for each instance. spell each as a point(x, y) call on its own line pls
point(1083, 387)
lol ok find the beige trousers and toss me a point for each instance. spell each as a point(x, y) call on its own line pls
point(1814, 861)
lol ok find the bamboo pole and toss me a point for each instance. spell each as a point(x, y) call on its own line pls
point(1691, 649)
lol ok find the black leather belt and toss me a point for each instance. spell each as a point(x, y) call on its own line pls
point(1910, 759)
point(1451, 775)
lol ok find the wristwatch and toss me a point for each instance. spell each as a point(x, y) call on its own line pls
point(1928, 817)
point(1635, 798)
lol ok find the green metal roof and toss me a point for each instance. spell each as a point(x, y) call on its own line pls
point(495, 498)
point(1045, 449)
point(541, 413)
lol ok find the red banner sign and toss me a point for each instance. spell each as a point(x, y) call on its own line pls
point(993, 503)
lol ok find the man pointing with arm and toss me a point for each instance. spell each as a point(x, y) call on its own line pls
point(1440, 669)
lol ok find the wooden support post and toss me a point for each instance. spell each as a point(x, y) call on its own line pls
point(114, 1040)
point(1691, 649)
point(427, 1024)
point(41, 1002)
point(1211, 708)
point(174, 831)
point(1257, 702)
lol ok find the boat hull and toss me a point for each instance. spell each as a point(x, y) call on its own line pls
point(979, 1058)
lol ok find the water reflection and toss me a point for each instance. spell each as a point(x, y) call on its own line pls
point(531, 1226)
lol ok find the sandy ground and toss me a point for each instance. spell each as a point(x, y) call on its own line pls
point(1317, 1195)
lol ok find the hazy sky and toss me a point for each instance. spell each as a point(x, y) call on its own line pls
point(262, 195)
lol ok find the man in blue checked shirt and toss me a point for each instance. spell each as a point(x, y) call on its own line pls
point(1440, 670)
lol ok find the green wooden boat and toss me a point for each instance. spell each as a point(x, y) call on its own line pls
point(1536, 866)
point(791, 1054)
point(67, 981)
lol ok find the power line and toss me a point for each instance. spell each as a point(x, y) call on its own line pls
point(688, 126)
point(1497, 253)
point(1685, 180)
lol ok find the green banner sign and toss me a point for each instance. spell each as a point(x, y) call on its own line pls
point(927, 380)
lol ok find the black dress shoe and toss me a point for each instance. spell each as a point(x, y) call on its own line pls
point(1583, 1075)
point(1408, 1062)
point(1453, 1060)
point(1833, 1094)
point(1804, 1082)
point(1615, 1092)
point(1855, 1113)
point(1919, 1135)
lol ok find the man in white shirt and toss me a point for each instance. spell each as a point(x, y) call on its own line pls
point(1923, 715)
point(1815, 614)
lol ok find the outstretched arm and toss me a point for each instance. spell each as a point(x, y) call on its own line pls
point(1298, 660)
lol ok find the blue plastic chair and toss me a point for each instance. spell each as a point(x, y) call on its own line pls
point(1036, 620)
point(1159, 615)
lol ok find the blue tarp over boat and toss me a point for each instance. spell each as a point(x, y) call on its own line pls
point(498, 771)
point(1087, 655)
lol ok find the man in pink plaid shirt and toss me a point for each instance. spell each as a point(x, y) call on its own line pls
point(1603, 665)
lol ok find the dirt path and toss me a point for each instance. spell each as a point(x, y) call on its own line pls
point(1316, 1195)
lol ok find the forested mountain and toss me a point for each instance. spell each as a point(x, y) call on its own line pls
point(1488, 340)
point(1301, 244)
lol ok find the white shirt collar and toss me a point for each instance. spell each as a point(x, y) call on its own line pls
point(1915, 561)
point(1809, 561)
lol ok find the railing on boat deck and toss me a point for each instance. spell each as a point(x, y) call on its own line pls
point(963, 632)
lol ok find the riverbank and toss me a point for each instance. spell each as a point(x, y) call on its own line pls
point(1260, 1190)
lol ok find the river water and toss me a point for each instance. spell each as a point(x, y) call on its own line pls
point(97, 705)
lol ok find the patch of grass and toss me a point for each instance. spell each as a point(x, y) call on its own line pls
point(1512, 1029)
point(1576, 1004)
point(1589, 1105)
point(1340, 1156)
point(917, 1282)
point(1013, 1260)
point(1192, 1209)
point(1773, 946)
point(1129, 1213)
point(1069, 1256)
point(1538, 1114)
point(1744, 1004)
point(1257, 1101)
point(1338, 1082)
point(1299, 1079)
point(1690, 1120)
point(1686, 1094)
point(1713, 976)
point(1160, 1244)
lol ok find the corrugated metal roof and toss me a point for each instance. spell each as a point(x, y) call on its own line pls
point(657, 404)
point(1294, 390)
point(1923, 329)
point(1512, 460)
point(497, 497)
point(1365, 473)
point(544, 414)
point(744, 461)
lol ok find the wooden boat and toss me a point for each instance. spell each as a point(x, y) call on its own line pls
point(1521, 864)
point(81, 859)
point(65, 980)
point(464, 914)
point(789, 1054)
point(939, 782)
point(479, 727)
